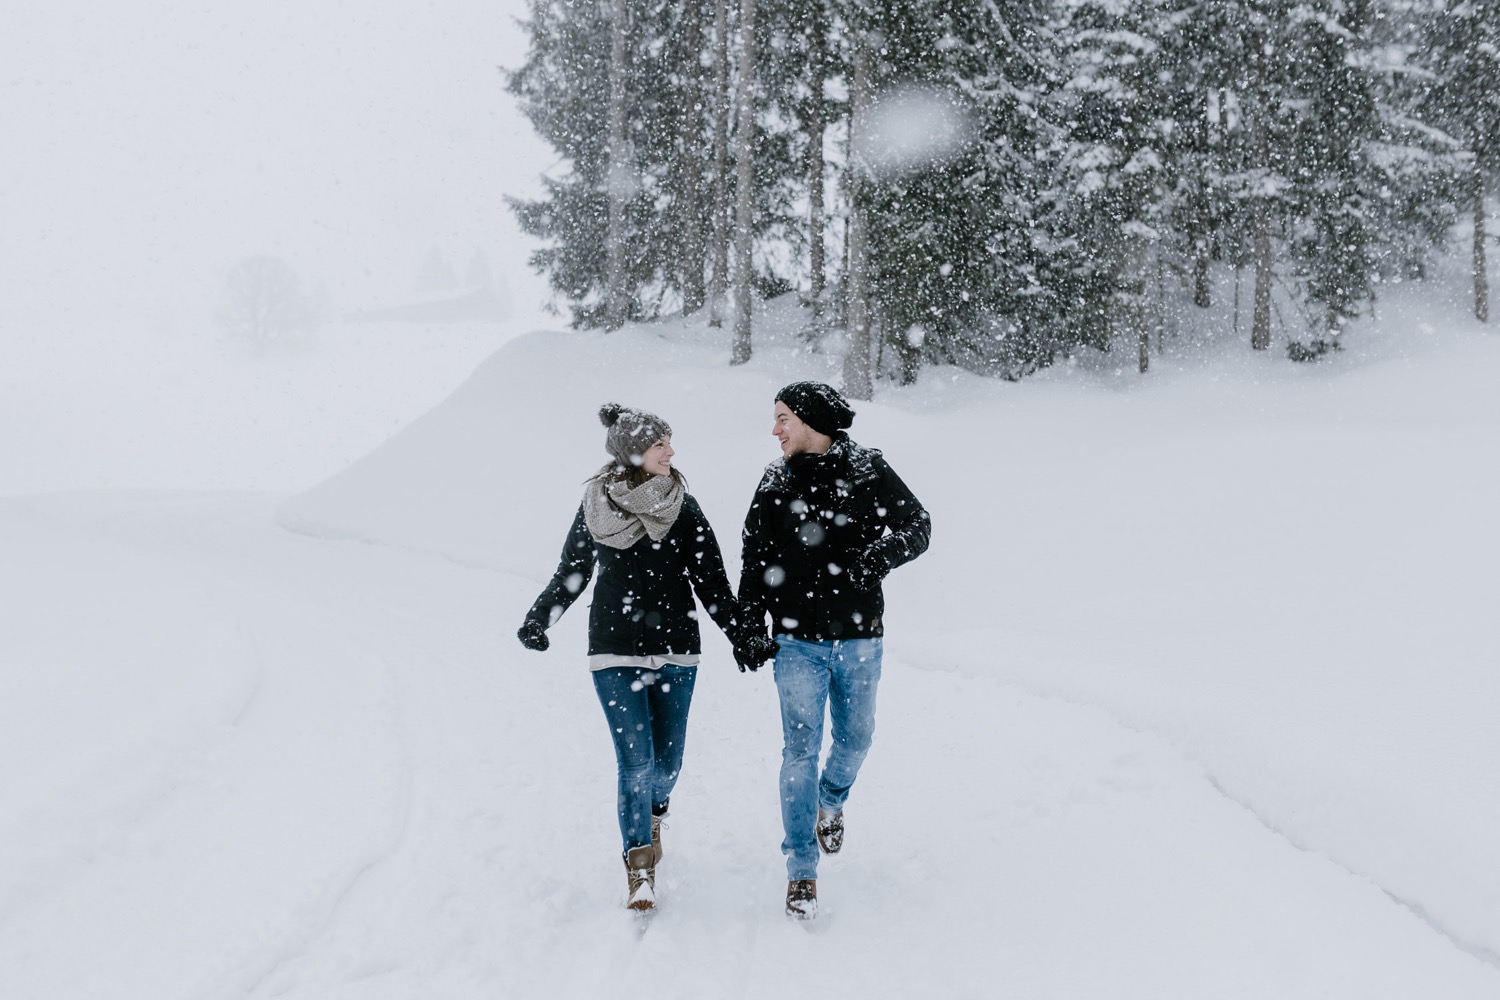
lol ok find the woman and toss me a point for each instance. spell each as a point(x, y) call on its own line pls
point(654, 548)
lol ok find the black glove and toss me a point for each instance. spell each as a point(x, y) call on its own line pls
point(753, 650)
point(869, 569)
point(533, 635)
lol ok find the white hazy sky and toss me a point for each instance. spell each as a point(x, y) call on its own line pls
point(148, 146)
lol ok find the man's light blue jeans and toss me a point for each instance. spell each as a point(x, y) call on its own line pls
point(843, 675)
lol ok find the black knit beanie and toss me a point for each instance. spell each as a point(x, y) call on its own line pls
point(821, 406)
point(631, 433)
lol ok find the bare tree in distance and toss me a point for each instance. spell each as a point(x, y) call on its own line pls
point(264, 302)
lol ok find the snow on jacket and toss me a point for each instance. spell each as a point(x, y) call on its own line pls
point(811, 518)
point(643, 601)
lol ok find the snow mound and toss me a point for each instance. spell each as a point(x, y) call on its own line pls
point(491, 476)
point(1282, 570)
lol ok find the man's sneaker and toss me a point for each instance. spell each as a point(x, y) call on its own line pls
point(802, 898)
point(830, 831)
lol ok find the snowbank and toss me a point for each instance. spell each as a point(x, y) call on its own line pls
point(1192, 696)
point(1284, 571)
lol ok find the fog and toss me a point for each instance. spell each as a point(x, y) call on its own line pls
point(150, 146)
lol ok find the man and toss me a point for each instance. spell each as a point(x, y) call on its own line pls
point(827, 523)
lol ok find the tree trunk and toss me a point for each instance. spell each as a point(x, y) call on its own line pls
point(618, 176)
point(1260, 321)
point(1201, 292)
point(815, 164)
point(1159, 314)
point(1136, 285)
point(1260, 316)
point(720, 230)
point(1239, 271)
point(858, 383)
point(1481, 278)
point(692, 170)
point(1201, 223)
point(744, 184)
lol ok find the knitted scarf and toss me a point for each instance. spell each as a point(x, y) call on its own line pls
point(619, 516)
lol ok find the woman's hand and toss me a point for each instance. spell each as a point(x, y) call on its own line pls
point(533, 635)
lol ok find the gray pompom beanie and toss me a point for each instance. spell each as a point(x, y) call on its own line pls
point(630, 433)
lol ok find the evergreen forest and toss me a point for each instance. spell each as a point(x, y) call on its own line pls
point(997, 184)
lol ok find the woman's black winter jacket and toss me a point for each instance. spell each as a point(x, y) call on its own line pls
point(812, 518)
point(643, 601)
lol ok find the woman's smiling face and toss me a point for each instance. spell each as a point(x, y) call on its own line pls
point(658, 458)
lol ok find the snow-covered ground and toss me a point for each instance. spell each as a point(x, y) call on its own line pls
point(177, 406)
point(1193, 695)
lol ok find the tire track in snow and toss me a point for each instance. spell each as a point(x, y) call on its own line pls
point(1477, 951)
point(337, 895)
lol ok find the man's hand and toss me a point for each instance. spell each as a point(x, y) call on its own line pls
point(753, 650)
point(869, 569)
point(533, 635)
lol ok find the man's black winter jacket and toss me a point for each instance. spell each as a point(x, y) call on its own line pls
point(811, 519)
point(643, 602)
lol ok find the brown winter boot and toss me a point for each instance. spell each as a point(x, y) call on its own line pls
point(830, 831)
point(802, 898)
point(656, 851)
point(640, 876)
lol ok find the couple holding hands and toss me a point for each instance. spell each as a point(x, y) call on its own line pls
point(828, 521)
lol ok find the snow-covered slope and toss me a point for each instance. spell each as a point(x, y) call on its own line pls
point(1192, 696)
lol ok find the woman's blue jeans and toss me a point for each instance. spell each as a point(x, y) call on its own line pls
point(647, 711)
point(843, 675)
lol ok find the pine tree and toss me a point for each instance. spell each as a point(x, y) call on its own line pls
point(1204, 62)
point(1415, 166)
point(1096, 153)
point(1116, 107)
point(568, 68)
point(958, 270)
point(1462, 51)
point(1332, 247)
point(669, 146)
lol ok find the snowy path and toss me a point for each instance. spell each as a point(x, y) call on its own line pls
point(326, 770)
